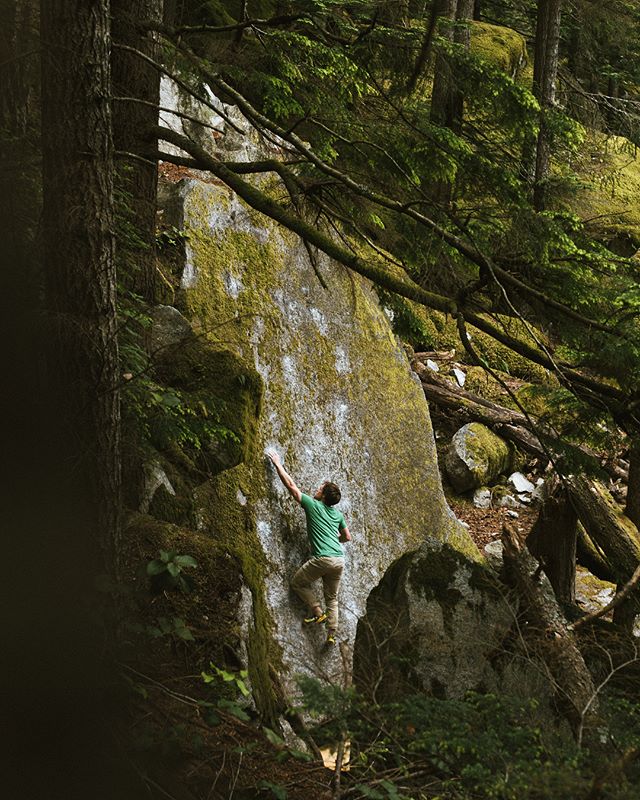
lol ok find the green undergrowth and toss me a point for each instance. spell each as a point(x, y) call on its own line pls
point(480, 747)
point(426, 329)
point(607, 196)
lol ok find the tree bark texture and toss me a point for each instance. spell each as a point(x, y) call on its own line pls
point(544, 87)
point(553, 542)
point(461, 35)
point(632, 509)
point(80, 277)
point(555, 645)
point(442, 93)
point(133, 124)
point(592, 557)
point(614, 533)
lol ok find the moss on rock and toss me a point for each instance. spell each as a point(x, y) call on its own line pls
point(608, 199)
point(503, 47)
point(223, 389)
point(476, 456)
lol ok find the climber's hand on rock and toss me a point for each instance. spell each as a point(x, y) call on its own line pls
point(275, 458)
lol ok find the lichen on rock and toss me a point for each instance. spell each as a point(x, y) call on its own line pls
point(436, 623)
point(475, 457)
point(339, 403)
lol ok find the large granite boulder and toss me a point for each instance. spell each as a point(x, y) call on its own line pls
point(340, 402)
point(433, 624)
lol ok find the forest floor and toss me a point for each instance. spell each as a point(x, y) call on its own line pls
point(485, 524)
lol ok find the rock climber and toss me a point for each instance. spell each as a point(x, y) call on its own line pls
point(326, 529)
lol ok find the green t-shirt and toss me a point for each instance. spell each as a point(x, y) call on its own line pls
point(323, 524)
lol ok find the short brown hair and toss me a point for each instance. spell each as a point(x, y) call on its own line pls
point(330, 494)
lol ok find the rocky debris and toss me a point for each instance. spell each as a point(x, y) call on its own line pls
point(482, 497)
point(521, 483)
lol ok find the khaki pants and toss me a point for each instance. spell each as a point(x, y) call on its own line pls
point(330, 570)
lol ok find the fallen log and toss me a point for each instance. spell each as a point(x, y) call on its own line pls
point(589, 556)
point(510, 424)
point(548, 631)
point(612, 532)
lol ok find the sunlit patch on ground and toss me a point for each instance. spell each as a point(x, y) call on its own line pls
point(329, 755)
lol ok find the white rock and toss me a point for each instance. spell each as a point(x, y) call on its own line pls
point(460, 376)
point(521, 483)
point(513, 514)
point(508, 501)
point(432, 365)
point(482, 497)
point(493, 552)
point(524, 498)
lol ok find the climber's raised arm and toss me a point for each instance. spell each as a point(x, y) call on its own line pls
point(284, 476)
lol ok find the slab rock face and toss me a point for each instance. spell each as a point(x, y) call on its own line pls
point(339, 403)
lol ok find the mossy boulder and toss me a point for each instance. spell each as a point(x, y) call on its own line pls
point(475, 457)
point(437, 623)
point(223, 389)
point(503, 47)
point(339, 402)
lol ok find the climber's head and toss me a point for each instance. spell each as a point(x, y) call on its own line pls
point(329, 493)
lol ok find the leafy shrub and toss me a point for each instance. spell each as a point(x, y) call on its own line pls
point(166, 572)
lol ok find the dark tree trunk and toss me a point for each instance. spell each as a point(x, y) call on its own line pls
point(544, 85)
point(441, 96)
point(133, 122)
point(632, 509)
point(589, 556)
point(80, 279)
point(537, 152)
point(62, 731)
point(462, 35)
point(625, 614)
point(553, 541)
point(447, 99)
point(477, 9)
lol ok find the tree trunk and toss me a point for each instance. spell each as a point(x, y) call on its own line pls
point(625, 614)
point(632, 509)
point(544, 81)
point(547, 628)
point(441, 95)
point(589, 556)
point(615, 534)
point(80, 279)
point(133, 122)
point(462, 35)
point(537, 152)
point(553, 542)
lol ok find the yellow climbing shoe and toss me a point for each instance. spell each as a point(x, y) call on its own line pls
point(315, 620)
point(331, 639)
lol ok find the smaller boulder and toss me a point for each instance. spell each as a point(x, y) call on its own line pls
point(482, 497)
point(521, 483)
point(475, 457)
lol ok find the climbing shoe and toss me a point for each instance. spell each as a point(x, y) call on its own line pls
point(331, 639)
point(315, 619)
